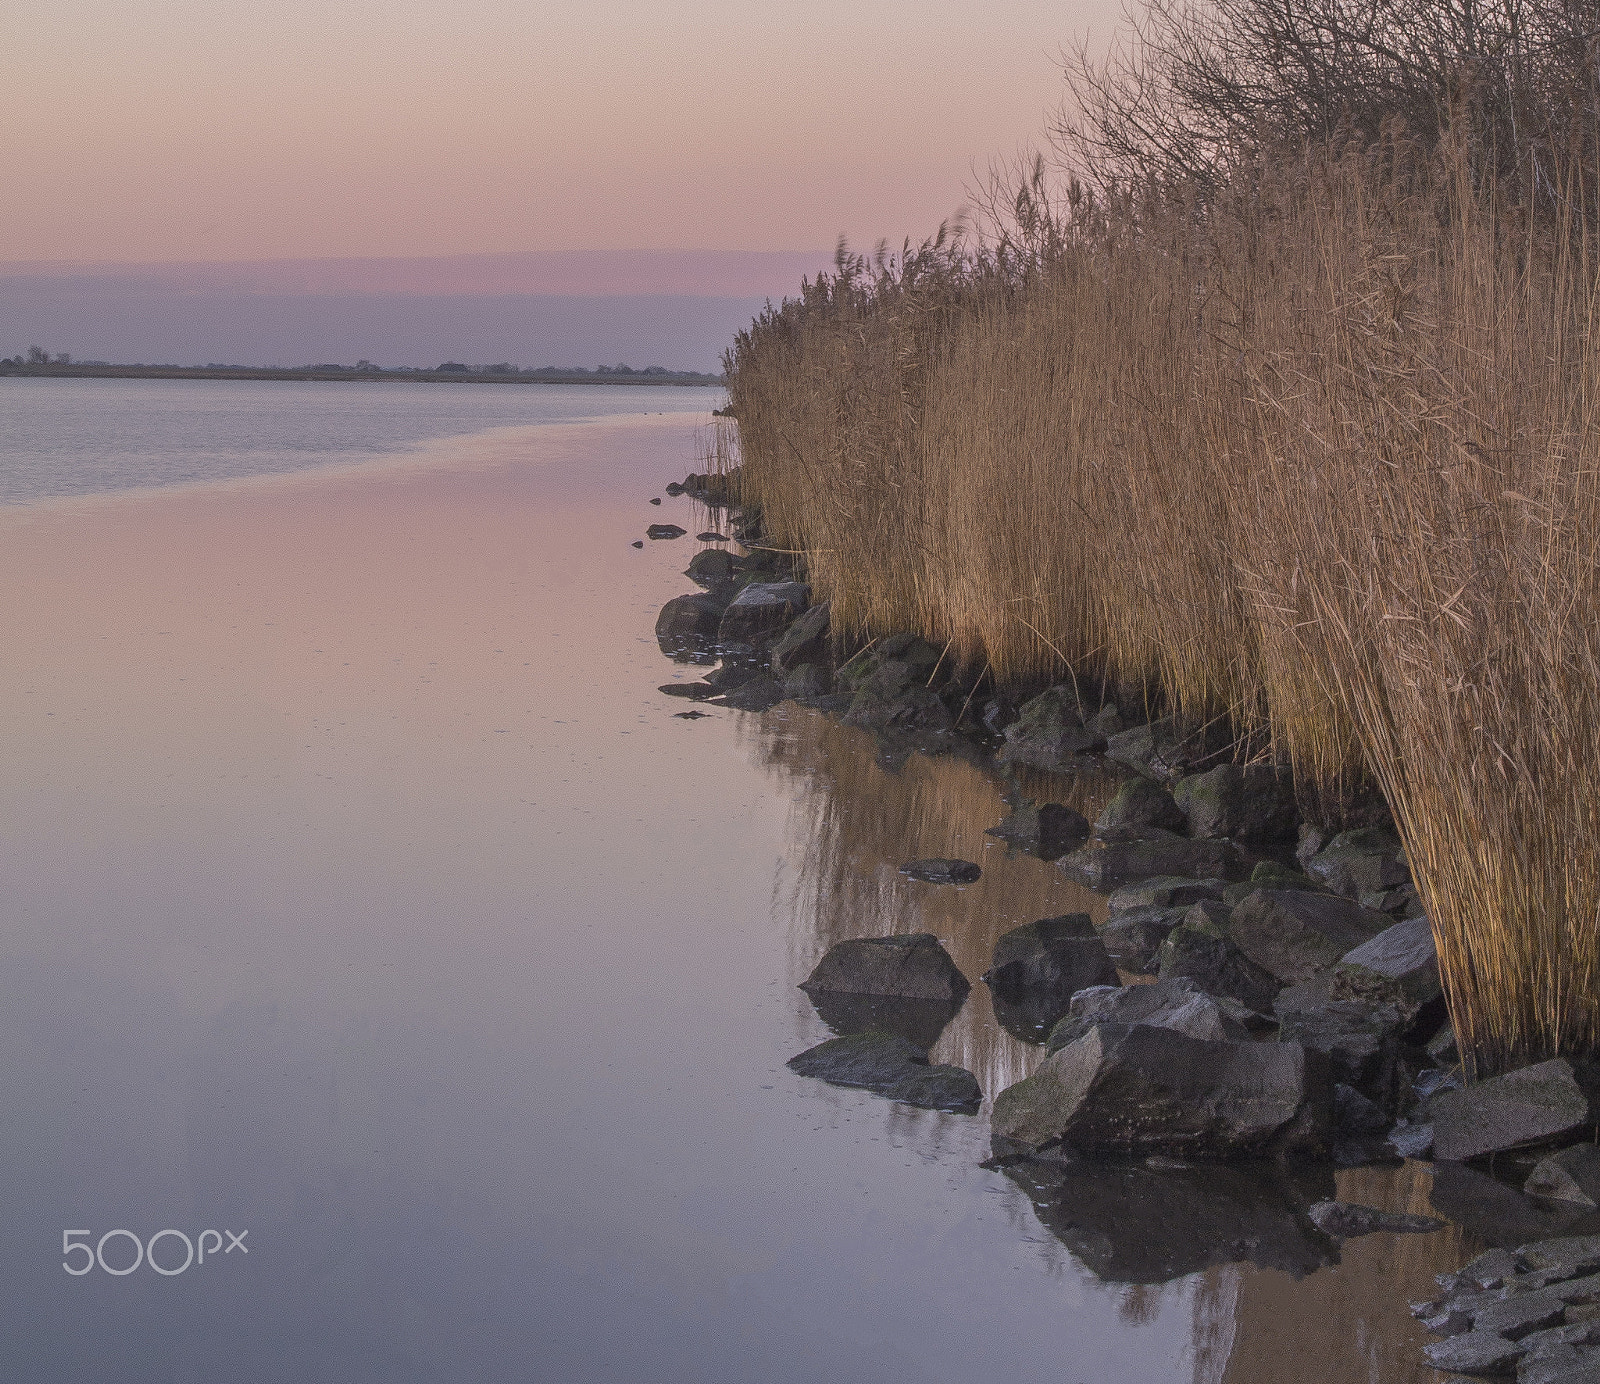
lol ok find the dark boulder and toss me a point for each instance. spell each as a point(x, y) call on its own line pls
point(913, 710)
point(1040, 966)
point(1474, 1352)
point(1133, 1088)
point(1138, 805)
point(1573, 1175)
point(1048, 830)
point(1166, 750)
point(689, 622)
point(1399, 966)
point(757, 694)
point(807, 682)
point(909, 967)
point(1133, 938)
point(1174, 1004)
point(805, 641)
point(760, 608)
point(1105, 866)
point(1294, 934)
point(1163, 891)
point(1527, 1106)
point(1199, 951)
point(711, 536)
point(891, 1066)
point(712, 568)
point(936, 870)
point(1130, 1223)
point(1363, 861)
point(665, 531)
point(1049, 732)
point(1242, 803)
point(692, 691)
point(1360, 1041)
point(1344, 1220)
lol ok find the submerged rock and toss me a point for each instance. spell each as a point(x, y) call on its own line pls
point(908, 967)
point(1346, 1219)
point(1133, 1088)
point(1497, 1214)
point(1293, 934)
point(694, 691)
point(712, 568)
point(689, 622)
point(1131, 1223)
point(665, 531)
point(1049, 732)
point(915, 709)
point(1506, 1112)
point(935, 870)
point(1117, 862)
point(1573, 1175)
point(757, 694)
point(1048, 830)
point(1040, 966)
point(891, 1066)
point(1243, 803)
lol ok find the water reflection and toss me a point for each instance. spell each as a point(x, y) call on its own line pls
point(859, 814)
point(1267, 1296)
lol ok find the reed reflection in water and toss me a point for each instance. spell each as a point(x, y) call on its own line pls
point(861, 811)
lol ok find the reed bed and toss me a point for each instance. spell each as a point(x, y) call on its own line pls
point(1316, 453)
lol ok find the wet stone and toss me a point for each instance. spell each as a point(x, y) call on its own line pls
point(940, 871)
point(1164, 891)
point(1137, 806)
point(1242, 803)
point(694, 691)
point(1049, 830)
point(1474, 1352)
point(1113, 863)
point(909, 967)
point(1134, 938)
point(1505, 1112)
point(1573, 1175)
point(1040, 966)
point(1344, 1220)
point(758, 694)
point(1294, 934)
point(665, 531)
point(891, 1066)
point(1174, 1004)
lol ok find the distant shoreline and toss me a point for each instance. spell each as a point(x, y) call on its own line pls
point(206, 372)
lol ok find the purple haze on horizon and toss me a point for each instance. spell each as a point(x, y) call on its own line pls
point(676, 308)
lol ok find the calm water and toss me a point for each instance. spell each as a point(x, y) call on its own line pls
point(361, 893)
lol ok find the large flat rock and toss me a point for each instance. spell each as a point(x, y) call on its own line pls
point(1293, 934)
point(1506, 1112)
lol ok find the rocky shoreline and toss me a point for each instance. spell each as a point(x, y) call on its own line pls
point(1262, 1005)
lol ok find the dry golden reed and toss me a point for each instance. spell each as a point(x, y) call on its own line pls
point(1318, 454)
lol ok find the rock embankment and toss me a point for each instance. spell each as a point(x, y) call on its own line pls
point(1265, 990)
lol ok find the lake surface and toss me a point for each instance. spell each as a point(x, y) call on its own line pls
point(363, 895)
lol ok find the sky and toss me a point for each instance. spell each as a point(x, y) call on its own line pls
point(183, 133)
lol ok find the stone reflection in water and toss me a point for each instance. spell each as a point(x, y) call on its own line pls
point(1348, 1324)
point(1129, 1223)
point(860, 813)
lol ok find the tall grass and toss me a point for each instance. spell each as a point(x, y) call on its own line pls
point(1317, 453)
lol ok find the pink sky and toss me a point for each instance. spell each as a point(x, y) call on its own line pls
point(176, 130)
